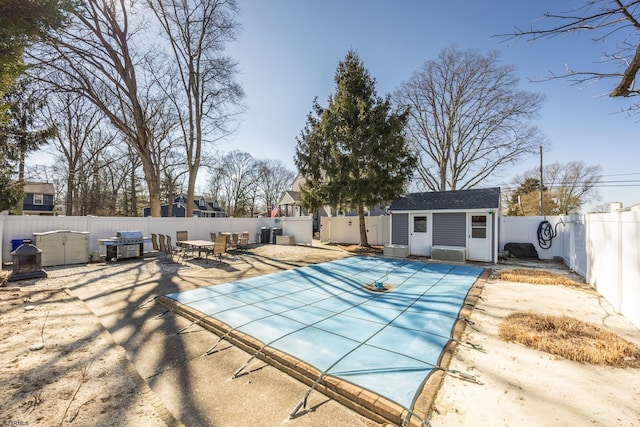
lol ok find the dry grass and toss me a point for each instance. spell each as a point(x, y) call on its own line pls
point(569, 338)
point(538, 277)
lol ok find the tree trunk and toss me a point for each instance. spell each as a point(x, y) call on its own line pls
point(193, 173)
point(363, 227)
point(153, 184)
point(70, 187)
point(134, 202)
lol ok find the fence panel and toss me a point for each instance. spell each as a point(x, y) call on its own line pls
point(603, 255)
point(578, 255)
point(630, 266)
point(346, 229)
point(524, 229)
point(299, 227)
point(23, 227)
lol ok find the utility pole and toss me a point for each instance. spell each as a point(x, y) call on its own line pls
point(541, 185)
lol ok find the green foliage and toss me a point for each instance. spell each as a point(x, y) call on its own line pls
point(18, 131)
point(353, 153)
point(525, 200)
point(11, 191)
point(23, 22)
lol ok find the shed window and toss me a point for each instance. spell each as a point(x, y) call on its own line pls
point(419, 224)
point(38, 199)
point(479, 226)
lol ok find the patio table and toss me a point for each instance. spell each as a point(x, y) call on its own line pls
point(200, 245)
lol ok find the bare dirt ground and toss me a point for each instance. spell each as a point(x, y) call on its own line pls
point(108, 359)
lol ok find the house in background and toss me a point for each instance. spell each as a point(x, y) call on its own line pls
point(38, 199)
point(289, 205)
point(448, 225)
point(202, 208)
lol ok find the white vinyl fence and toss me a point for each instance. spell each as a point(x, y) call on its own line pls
point(604, 248)
point(22, 227)
point(613, 260)
point(346, 229)
point(569, 242)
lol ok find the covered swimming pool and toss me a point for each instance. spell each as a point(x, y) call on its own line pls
point(334, 327)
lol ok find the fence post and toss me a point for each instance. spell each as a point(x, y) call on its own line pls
point(619, 263)
point(587, 238)
point(2, 245)
point(573, 218)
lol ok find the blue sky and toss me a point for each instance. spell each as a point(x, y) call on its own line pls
point(288, 51)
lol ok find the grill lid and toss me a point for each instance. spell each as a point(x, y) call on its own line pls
point(129, 235)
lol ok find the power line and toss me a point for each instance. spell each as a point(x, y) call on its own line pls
point(622, 174)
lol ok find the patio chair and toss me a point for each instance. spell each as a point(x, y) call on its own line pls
point(173, 250)
point(243, 243)
point(182, 235)
point(163, 246)
point(233, 241)
point(213, 236)
point(154, 243)
point(219, 246)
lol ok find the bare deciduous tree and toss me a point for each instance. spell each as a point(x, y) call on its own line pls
point(239, 179)
point(573, 184)
point(243, 185)
point(567, 188)
point(273, 179)
point(197, 31)
point(99, 60)
point(79, 137)
point(608, 21)
point(467, 118)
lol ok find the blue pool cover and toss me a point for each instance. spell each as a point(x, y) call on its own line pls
point(323, 314)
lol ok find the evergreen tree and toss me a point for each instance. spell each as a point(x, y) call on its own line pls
point(353, 153)
point(525, 200)
point(22, 22)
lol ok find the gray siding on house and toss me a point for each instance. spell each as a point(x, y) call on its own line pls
point(449, 229)
point(400, 229)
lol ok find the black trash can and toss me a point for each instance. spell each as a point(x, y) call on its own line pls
point(264, 234)
point(275, 232)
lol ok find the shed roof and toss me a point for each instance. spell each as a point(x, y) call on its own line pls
point(481, 198)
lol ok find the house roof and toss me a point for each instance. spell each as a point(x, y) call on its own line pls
point(482, 198)
point(38, 188)
point(289, 198)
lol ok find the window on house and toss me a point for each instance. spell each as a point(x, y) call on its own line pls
point(202, 202)
point(419, 224)
point(38, 199)
point(478, 226)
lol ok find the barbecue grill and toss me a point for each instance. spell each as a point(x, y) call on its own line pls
point(126, 244)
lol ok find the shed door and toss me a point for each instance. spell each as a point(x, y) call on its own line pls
point(419, 236)
point(479, 233)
